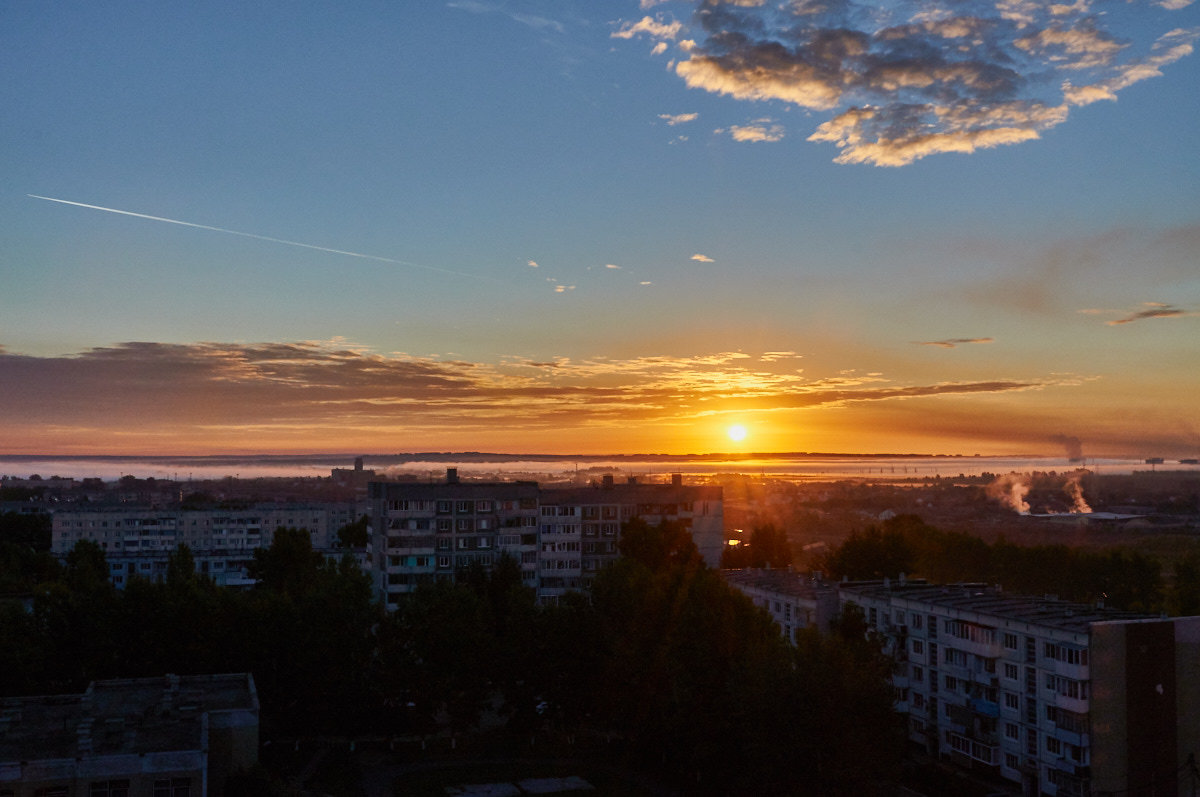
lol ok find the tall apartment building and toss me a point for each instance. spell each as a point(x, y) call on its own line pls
point(1060, 698)
point(137, 540)
point(560, 536)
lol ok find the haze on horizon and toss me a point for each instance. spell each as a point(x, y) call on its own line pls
point(564, 227)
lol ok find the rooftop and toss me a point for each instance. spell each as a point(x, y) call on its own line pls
point(140, 715)
point(783, 582)
point(991, 601)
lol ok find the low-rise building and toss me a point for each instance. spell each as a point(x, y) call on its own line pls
point(175, 736)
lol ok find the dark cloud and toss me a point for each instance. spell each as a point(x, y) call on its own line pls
point(1150, 310)
point(912, 79)
point(1072, 444)
point(950, 343)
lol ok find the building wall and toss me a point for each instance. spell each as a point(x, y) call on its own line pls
point(138, 540)
point(1145, 722)
point(1050, 696)
point(561, 537)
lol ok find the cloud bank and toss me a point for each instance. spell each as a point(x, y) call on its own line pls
point(910, 79)
point(286, 395)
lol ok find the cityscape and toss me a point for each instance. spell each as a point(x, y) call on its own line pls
point(655, 397)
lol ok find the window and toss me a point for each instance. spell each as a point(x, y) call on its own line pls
point(1010, 641)
point(1011, 671)
point(1053, 746)
point(917, 622)
point(1067, 687)
point(918, 647)
point(1012, 701)
point(1066, 654)
point(173, 787)
point(1012, 761)
point(1012, 730)
point(109, 788)
point(918, 674)
point(462, 507)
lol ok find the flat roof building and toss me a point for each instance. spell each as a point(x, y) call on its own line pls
point(174, 736)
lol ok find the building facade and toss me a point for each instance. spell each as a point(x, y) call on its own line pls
point(561, 537)
point(137, 540)
point(1055, 697)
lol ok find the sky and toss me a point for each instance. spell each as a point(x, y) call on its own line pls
point(566, 226)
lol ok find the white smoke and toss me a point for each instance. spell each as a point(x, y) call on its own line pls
point(1074, 488)
point(1010, 490)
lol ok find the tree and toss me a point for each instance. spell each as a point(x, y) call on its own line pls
point(354, 535)
point(658, 547)
point(290, 565)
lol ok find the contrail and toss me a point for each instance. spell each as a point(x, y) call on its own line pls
point(266, 238)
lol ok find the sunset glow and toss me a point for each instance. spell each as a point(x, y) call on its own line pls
point(604, 228)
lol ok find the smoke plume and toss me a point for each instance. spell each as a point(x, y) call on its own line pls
point(1010, 490)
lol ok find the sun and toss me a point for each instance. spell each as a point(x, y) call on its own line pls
point(737, 433)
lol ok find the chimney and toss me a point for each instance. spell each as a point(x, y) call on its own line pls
point(607, 482)
point(451, 475)
point(358, 463)
point(676, 479)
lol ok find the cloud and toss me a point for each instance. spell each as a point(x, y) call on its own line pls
point(651, 27)
point(756, 132)
point(659, 48)
point(702, 258)
point(950, 343)
point(530, 20)
point(1150, 310)
point(532, 264)
point(909, 80)
point(679, 118)
point(563, 288)
point(145, 397)
point(206, 392)
point(645, 282)
point(612, 266)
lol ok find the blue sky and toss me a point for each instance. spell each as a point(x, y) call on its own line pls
point(944, 301)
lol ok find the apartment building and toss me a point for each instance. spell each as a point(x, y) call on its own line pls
point(795, 601)
point(137, 539)
point(560, 536)
point(174, 736)
point(1055, 697)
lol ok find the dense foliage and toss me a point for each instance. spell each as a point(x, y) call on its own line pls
point(1122, 578)
point(677, 672)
